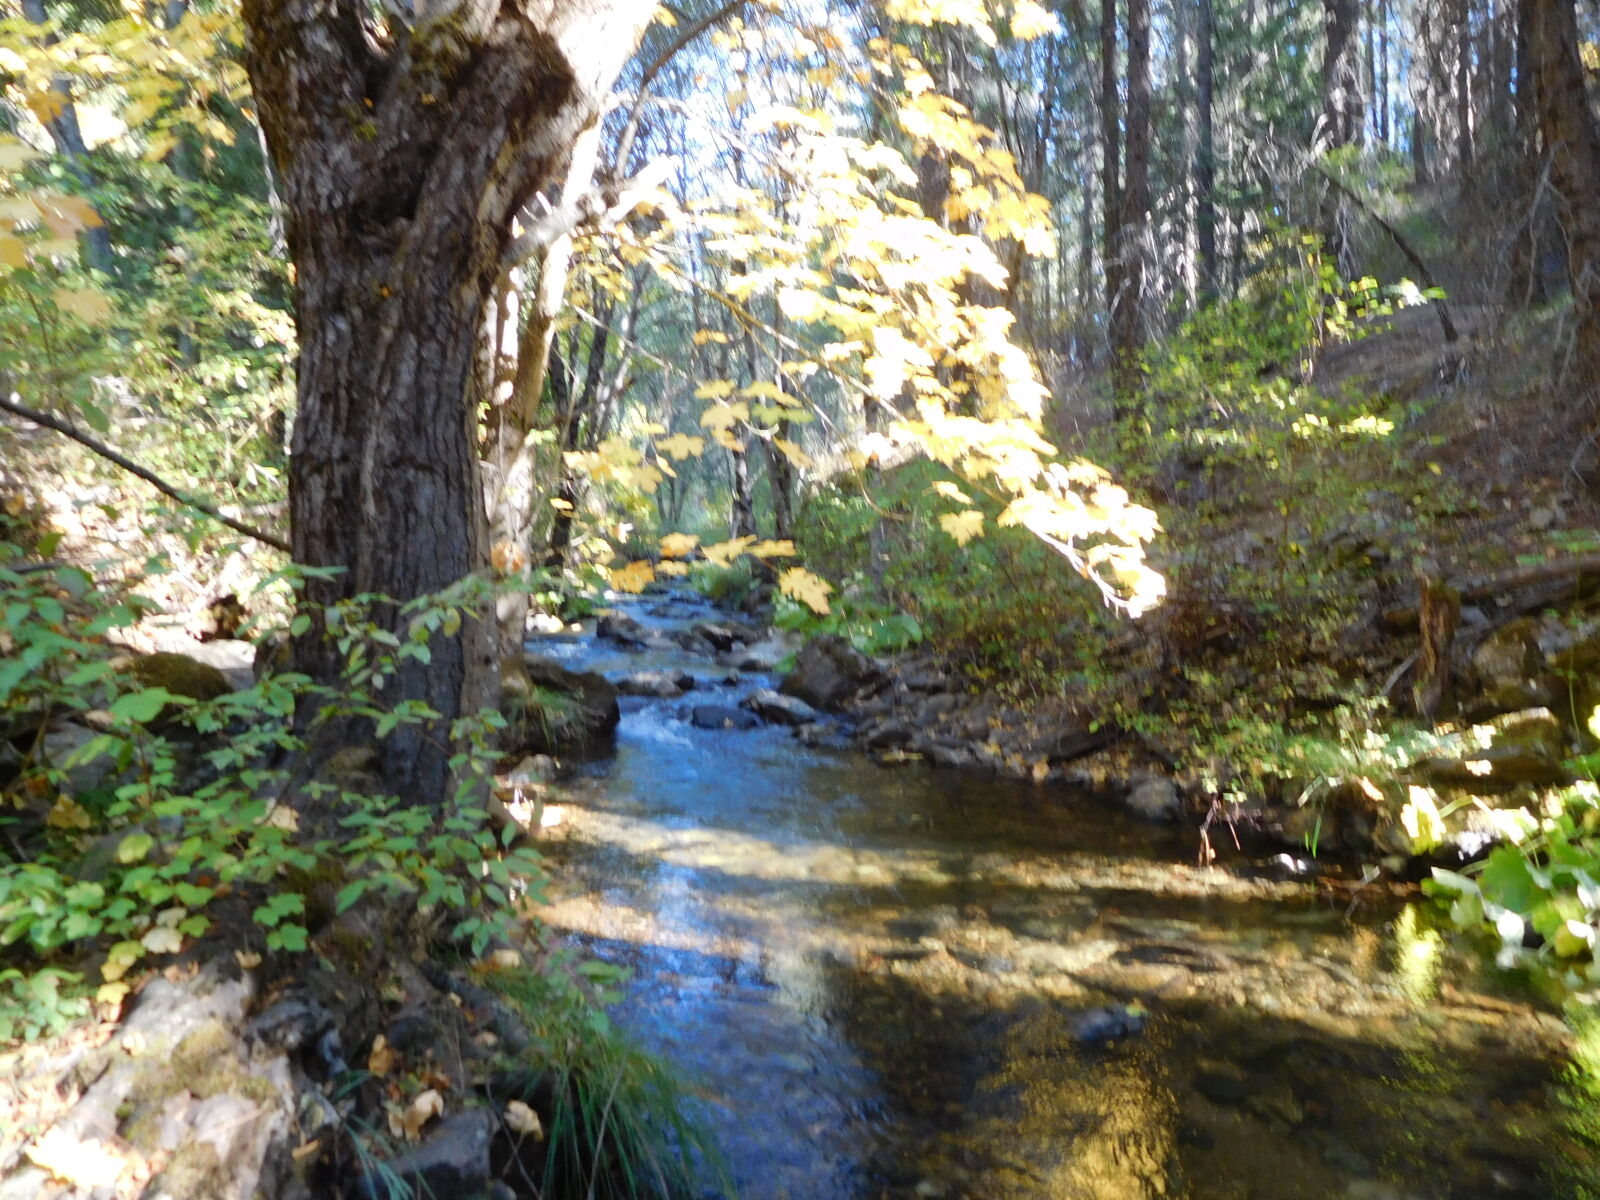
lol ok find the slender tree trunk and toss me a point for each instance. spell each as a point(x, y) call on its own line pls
point(402, 158)
point(1134, 232)
point(67, 137)
point(1205, 163)
point(1568, 126)
point(1342, 111)
point(1111, 163)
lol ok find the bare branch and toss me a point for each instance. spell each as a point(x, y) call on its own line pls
point(133, 468)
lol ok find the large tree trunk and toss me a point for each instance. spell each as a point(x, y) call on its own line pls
point(403, 154)
point(1570, 137)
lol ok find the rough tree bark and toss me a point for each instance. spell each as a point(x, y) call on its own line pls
point(403, 149)
point(1343, 110)
point(1571, 140)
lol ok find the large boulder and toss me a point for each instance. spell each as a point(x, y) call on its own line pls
point(622, 629)
point(828, 671)
point(720, 716)
point(553, 710)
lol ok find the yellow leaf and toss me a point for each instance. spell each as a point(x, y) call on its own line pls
point(802, 585)
point(67, 813)
point(383, 1058)
point(951, 492)
point(522, 1119)
point(83, 1164)
point(12, 251)
point(118, 959)
point(162, 940)
point(714, 389)
point(678, 545)
point(14, 154)
point(633, 577)
point(65, 215)
point(681, 446)
point(722, 416)
point(675, 570)
point(703, 336)
point(89, 305)
point(963, 526)
point(723, 553)
point(782, 549)
point(419, 1112)
point(793, 453)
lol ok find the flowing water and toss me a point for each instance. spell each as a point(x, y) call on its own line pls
point(885, 981)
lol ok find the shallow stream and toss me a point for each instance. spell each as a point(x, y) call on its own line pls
point(885, 981)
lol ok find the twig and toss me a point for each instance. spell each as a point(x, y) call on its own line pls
point(133, 468)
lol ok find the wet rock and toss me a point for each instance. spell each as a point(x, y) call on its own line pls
point(720, 716)
point(924, 947)
point(1508, 655)
point(1222, 1083)
point(1108, 1024)
point(779, 709)
point(622, 629)
point(662, 685)
point(829, 670)
point(691, 641)
point(453, 1161)
point(766, 654)
point(562, 710)
point(720, 637)
point(1496, 769)
point(1535, 728)
point(946, 754)
point(1154, 798)
point(886, 734)
point(1278, 1106)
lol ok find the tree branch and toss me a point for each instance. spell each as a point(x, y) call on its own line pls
point(133, 468)
point(603, 206)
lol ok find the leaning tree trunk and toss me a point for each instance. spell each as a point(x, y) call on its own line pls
point(403, 154)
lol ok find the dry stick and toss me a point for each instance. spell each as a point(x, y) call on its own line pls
point(155, 481)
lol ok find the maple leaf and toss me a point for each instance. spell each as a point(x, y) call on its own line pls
point(681, 446)
point(808, 589)
point(722, 416)
point(723, 553)
point(963, 526)
point(633, 577)
point(678, 545)
point(778, 549)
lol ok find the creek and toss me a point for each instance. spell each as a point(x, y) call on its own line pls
point(899, 982)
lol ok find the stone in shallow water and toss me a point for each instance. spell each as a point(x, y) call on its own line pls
point(1109, 1024)
point(720, 716)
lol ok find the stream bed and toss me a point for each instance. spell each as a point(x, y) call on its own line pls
point(898, 982)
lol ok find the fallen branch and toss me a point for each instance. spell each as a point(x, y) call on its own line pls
point(133, 468)
point(1571, 569)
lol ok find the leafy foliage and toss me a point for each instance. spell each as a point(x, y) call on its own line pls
point(201, 800)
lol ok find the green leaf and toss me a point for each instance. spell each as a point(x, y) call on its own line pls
point(141, 706)
point(134, 847)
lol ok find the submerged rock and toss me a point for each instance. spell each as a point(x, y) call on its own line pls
point(1154, 798)
point(720, 716)
point(622, 629)
point(662, 685)
point(1109, 1024)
